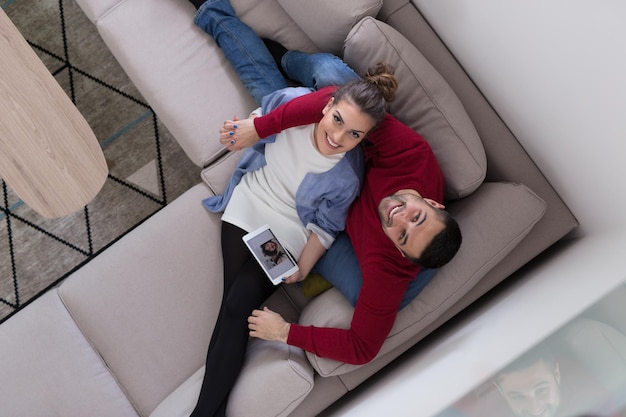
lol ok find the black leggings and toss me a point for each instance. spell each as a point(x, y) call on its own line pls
point(246, 287)
point(197, 3)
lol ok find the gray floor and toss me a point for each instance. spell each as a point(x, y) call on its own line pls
point(147, 167)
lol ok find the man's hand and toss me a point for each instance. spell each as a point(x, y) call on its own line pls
point(268, 325)
point(238, 134)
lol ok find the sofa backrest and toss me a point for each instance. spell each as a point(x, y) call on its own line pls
point(305, 25)
point(424, 101)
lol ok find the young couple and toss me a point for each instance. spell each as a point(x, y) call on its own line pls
point(329, 160)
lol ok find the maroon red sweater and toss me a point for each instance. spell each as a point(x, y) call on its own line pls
point(396, 158)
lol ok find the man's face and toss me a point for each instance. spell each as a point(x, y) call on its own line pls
point(410, 221)
point(534, 391)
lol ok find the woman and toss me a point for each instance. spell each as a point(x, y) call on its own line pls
point(300, 182)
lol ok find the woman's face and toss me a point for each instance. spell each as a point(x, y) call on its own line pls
point(342, 127)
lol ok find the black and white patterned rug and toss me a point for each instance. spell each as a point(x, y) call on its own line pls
point(147, 168)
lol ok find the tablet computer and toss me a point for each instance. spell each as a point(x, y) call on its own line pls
point(271, 254)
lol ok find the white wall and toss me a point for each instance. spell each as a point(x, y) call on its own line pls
point(555, 70)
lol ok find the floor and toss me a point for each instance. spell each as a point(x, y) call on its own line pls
point(147, 168)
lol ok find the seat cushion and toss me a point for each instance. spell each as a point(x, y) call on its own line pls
point(48, 368)
point(493, 221)
point(424, 101)
point(275, 378)
point(148, 303)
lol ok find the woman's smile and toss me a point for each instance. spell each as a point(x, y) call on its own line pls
point(330, 142)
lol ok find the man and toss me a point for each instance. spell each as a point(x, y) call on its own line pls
point(552, 381)
point(531, 386)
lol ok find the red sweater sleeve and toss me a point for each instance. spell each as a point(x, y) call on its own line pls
point(300, 111)
point(374, 316)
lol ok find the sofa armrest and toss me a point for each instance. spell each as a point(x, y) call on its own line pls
point(179, 70)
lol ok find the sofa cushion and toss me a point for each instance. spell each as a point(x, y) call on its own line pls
point(424, 102)
point(269, 20)
point(275, 378)
point(178, 69)
point(217, 175)
point(95, 10)
point(493, 221)
point(148, 303)
point(50, 369)
point(183, 399)
point(296, 23)
point(327, 22)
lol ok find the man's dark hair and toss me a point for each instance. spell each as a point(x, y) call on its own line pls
point(443, 247)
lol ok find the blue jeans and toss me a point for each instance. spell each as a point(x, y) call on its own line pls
point(316, 70)
point(254, 64)
point(257, 69)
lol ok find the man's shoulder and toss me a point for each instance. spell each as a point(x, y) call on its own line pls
point(391, 132)
point(382, 258)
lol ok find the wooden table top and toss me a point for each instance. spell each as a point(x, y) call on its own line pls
point(49, 155)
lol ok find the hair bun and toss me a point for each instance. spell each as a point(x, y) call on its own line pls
point(382, 75)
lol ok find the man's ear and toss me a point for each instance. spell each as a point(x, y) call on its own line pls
point(498, 387)
point(434, 203)
point(557, 373)
point(330, 103)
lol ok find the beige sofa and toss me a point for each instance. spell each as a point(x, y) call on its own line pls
point(126, 335)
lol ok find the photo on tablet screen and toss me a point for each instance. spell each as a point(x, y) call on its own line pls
point(271, 254)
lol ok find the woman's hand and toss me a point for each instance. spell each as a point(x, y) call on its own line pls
point(268, 325)
point(238, 134)
point(295, 277)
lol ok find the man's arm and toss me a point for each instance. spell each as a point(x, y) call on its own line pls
point(302, 110)
point(373, 318)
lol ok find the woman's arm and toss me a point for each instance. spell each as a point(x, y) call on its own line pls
point(312, 252)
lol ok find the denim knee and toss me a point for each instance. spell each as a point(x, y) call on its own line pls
point(316, 70)
point(329, 69)
point(212, 9)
